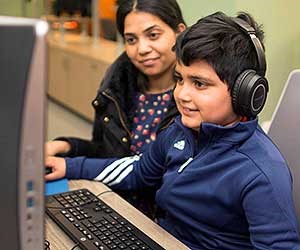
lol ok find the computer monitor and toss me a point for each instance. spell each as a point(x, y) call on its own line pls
point(284, 130)
point(22, 132)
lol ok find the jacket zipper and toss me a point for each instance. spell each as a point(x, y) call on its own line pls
point(119, 112)
point(194, 156)
point(185, 164)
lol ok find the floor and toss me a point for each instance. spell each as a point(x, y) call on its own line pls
point(62, 122)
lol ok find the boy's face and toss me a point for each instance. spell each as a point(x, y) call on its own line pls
point(201, 96)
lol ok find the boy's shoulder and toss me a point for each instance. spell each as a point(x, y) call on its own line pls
point(259, 144)
point(264, 154)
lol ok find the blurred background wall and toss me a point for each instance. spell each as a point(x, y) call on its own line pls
point(28, 8)
point(280, 20)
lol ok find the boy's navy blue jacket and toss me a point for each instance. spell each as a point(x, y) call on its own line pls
point(230, 188)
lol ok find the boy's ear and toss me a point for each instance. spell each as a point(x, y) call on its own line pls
point(180, 28)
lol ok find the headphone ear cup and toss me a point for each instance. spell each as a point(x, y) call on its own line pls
point(249, 93)
point(235, 91)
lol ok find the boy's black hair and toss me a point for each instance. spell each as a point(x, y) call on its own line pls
point(167, 10)
point(219, 41)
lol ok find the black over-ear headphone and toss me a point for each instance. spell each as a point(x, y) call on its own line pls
point(249, 92)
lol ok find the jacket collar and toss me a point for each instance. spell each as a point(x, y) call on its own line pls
point(234, 134)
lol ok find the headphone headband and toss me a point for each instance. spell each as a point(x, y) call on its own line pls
point(250, 31)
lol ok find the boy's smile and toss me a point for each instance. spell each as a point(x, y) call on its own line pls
point(201, 96)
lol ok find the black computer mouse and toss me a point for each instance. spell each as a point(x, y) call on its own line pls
point(48, 170)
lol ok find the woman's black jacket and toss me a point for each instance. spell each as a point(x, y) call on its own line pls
point(114, 114)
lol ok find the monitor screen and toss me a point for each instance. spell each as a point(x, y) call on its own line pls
point(284, 130)
point(22, 132)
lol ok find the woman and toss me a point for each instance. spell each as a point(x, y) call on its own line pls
point(136, 92)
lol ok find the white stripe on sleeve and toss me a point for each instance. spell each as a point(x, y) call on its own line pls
point(114, 169)
point(110, 168)
point(122, 176)
point(119, 169)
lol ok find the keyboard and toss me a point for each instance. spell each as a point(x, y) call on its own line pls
point(93, 224)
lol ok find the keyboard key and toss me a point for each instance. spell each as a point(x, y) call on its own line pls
point(112, 246)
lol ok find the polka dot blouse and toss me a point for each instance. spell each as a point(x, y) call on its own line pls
point(150, 109)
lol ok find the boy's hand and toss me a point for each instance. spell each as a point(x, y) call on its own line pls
point(58, 167)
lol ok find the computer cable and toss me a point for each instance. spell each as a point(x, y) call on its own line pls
point(104, 192)
point(47, 245)
point(75, 246)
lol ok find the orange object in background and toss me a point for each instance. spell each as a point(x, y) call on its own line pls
point(107, 15)
point(107, 9)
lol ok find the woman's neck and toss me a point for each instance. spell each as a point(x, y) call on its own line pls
point(160, 84)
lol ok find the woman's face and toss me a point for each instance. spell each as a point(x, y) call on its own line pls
point(148, 43)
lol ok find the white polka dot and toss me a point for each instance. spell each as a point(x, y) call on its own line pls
point(147, 141)
point(147, 126)
point(155, 103)
point(165, 110)
point(158, 112)
point(136, 137)
point(142, 110)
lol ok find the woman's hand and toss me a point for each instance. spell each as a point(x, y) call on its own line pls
point(55, 147)
point(58, 168)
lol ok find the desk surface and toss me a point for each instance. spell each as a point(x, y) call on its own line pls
point(60, 241)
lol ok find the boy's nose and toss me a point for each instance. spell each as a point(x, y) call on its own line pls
point(184, 92)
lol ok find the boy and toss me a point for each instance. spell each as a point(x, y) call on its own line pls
point(221, 181)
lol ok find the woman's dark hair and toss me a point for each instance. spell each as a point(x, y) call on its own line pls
point(167, 10)
point(218, 40)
